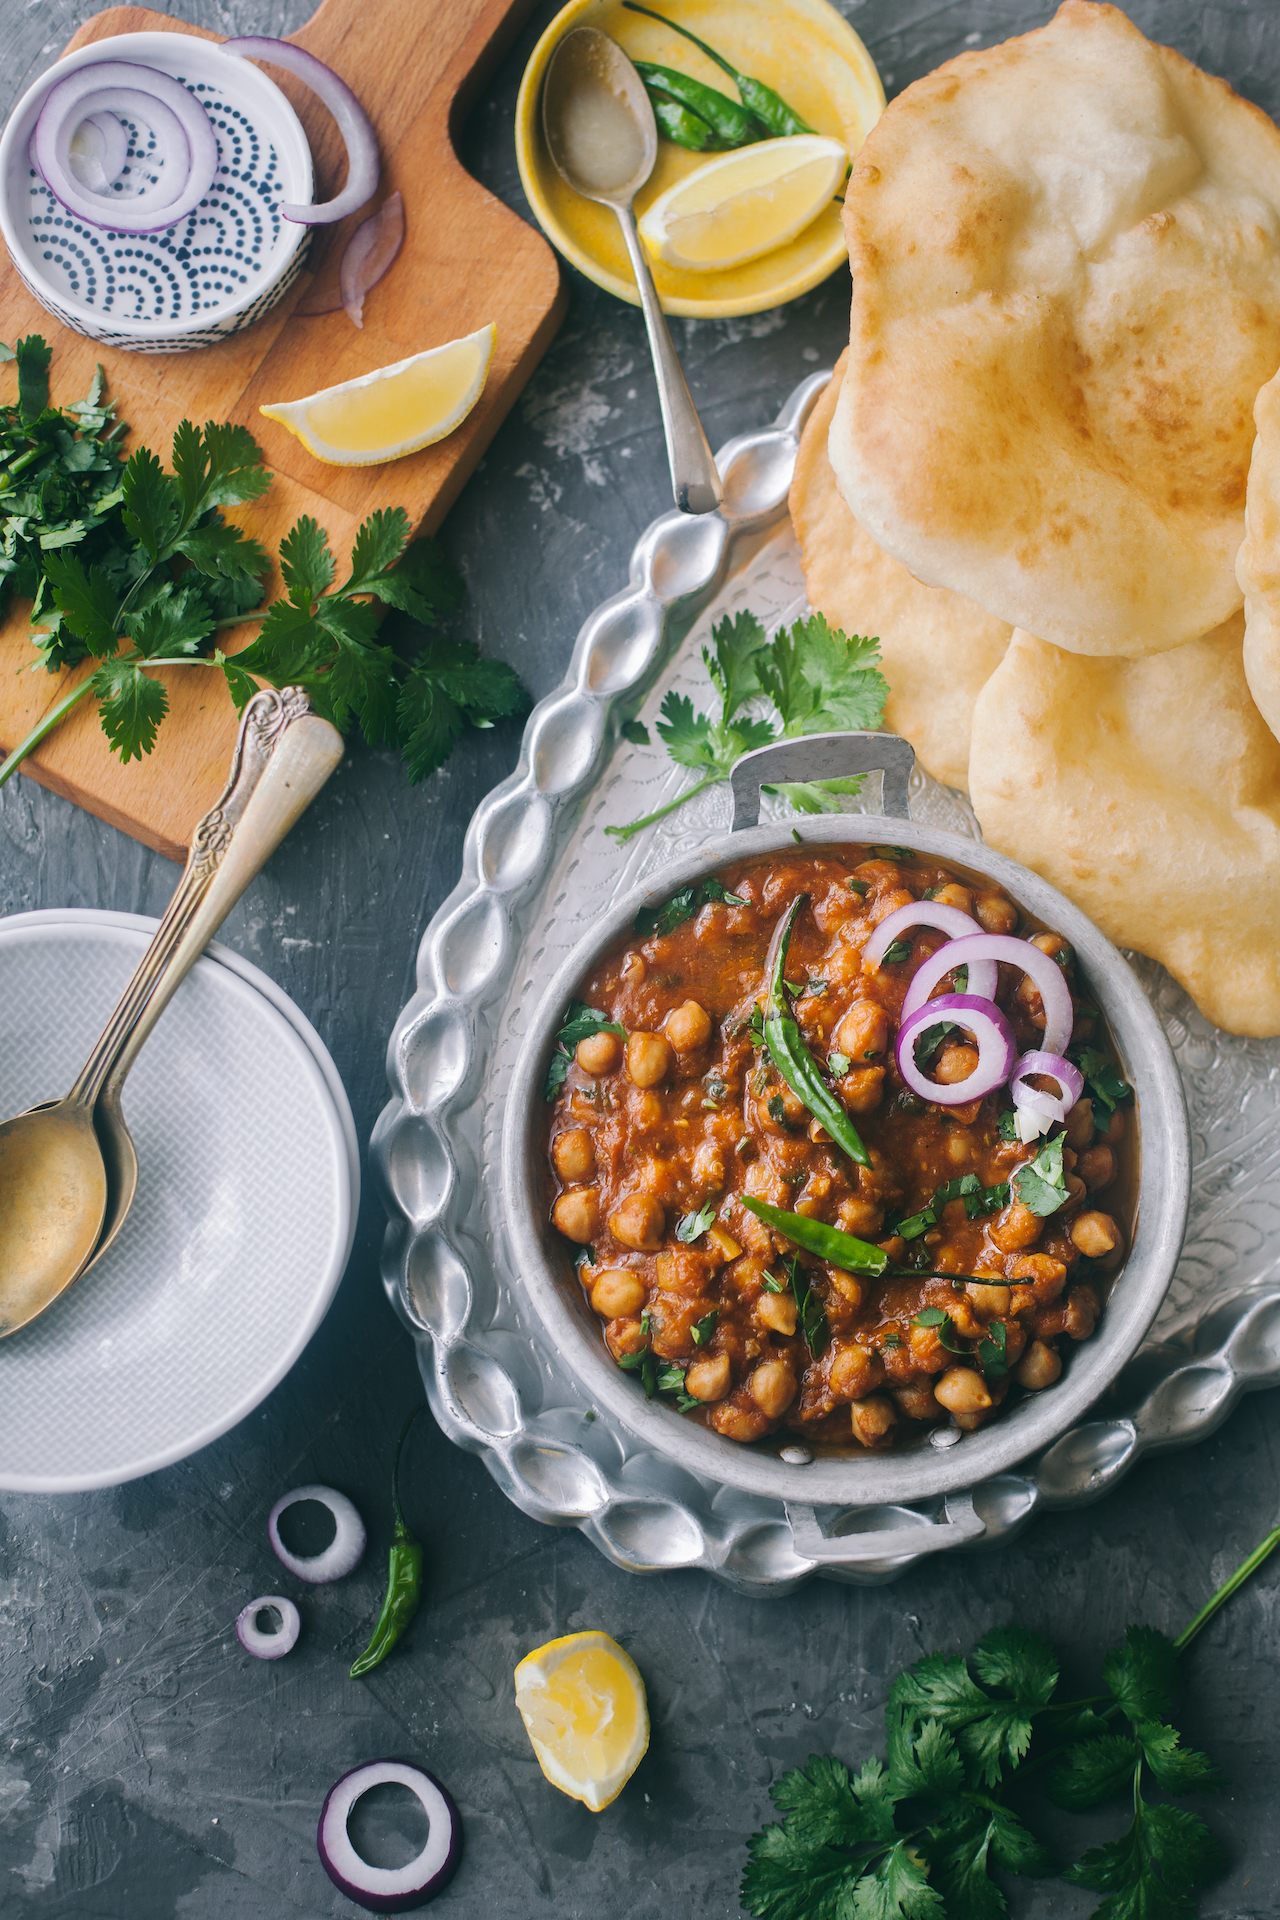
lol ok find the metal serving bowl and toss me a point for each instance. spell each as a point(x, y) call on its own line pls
point(1023, 1427)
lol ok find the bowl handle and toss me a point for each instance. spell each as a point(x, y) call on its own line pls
point(823, 756)
point(962, 1527)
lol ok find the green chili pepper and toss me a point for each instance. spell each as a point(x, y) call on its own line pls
point(404, 1576)
point(681, 126)
point(829, 1243)
point(734, 125)
point(769, 107)
point(789, 1053)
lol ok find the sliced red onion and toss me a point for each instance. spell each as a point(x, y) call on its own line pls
point(343, 1552)
point(950, 920)
point(1044, 972)
point(370, 251)
point(1038, 1110)
point(263, 1645)
point(180, 124)
point(97, 163)
point(390, 1889)
point(353, 124)
point(992, 1033)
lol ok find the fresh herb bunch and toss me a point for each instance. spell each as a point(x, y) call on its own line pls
point(817, 680)
point(134, 568)
point(916, 1839)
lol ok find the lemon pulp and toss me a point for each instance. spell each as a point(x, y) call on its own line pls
point(583, 1705)
point(744, 203)
point(393, 410)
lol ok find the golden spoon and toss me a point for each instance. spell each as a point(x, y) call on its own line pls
point(68, 1168)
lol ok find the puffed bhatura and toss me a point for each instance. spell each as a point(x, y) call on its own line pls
point(937, 649)
point(1149, 792)
point(1066, 295)
point(1258, 564)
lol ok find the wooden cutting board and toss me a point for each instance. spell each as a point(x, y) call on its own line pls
point(466, 260)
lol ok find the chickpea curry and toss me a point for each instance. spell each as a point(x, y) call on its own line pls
point(779, 1234)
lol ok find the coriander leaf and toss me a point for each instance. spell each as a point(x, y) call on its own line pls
point(1041, 1185)
point(1181, 1846)
point(1020, 1662)
point(1093, 1770)
point(692, 1226)
point(224, 551)
point(173, 625)
point(424, 582)
point(839, 1064)
point(897, 1888)
point(683, 905)
point(360, 676)
point(1016, 1849)
point(896, 951)
point(739, 645)
point(636, 732)
point(219, 466)
point(817, 796)
point(131, 706)
point(957, 1852)
point(381, 540)
point(582, 1021)
point(1008, 1125)
point(152, 507)
point(1177, 1769)
point(33, 356)
point(823, 681)
point(285, 647)
point(448, 685)
point(1151, 1871)
point(240, 685)
point(1141, 1674)
point(688, 735)
point(703, 1329)
point(88, 602)
point(923, 1763)
point(789, 1878)
point(1104, 1083)
point(306, 562)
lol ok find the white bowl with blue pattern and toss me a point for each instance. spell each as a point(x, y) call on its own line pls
point(216, 271)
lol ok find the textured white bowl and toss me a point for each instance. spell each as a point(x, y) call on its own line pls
point(213, 273)
point(242, 1225)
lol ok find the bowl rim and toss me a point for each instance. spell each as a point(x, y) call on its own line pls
point(1033, 1423)
point(286, 128)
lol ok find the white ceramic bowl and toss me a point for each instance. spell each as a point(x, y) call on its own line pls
point(213, 273)
point(241, 1228)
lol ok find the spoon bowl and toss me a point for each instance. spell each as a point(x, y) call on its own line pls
point(603, 139)
point(53, 1199)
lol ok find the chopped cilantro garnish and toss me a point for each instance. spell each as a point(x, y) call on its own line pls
point(703, 1329)
point(1041, 1185)
point(1104, 1083)
point(900, 950)
point(579, 1023)
point(839, 1063)
point(683, 905)
point(692, 1226)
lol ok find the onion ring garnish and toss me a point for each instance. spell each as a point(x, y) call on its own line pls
point(263, 1645)
point(370, 251)
point(949, 920)
point(1038, 1110)
point(390, 1889)
point(344, 1551)
point(353, 124)
point(1045, 974)
point(177, 119)
point(982, 1018)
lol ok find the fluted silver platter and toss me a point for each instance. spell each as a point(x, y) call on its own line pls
point(537, 871)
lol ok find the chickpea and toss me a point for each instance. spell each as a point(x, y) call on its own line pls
point(1017, 1227)
point(954, 895)
point(954, 1065)
point(847, 1287)
point(1096, 1234)
point(708, 1167)
point(855, 1370)
point(598, 1053)
point(1039, 1367)
point(1080, 1125)
point(777, 1311)
point(1115, 1128)
point(995, 913)
point(648, 1058)
point(917, 1403)
point(890, 902)
point(625, 1336)
point(617, 1294)
point(862, 1218)
point(689, 1027)
point(1082, 1312)
point(962, 1390)
point(708, 1376)
point(576, 1214)
point(638, 1222)
point(773, 1387)
point(1045, 1275)
point(574, 1154)
point(991, 1303)
point(1097, 1167)
point(873, 1418)
point(738, 1423)
point(863, 1089)
point(863, 1032)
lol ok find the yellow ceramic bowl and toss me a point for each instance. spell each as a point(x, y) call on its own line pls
point(801, 48)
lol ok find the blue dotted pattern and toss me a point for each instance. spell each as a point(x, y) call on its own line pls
point(206, 262)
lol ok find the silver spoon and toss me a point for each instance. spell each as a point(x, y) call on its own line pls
point(603, 138)
point(68, 1168)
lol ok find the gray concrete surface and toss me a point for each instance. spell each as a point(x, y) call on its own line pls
point(147, 1768)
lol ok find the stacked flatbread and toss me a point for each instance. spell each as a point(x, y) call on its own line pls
point(1030, 478)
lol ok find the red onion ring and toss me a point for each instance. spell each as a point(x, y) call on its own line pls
point(950, 920)
point(997, 1048)
point(1041, 1109)
point(175, 116)
point(268, 1646)
point(370, 251)
point(390, 1889)
point(344, 1551)
point(353, 124)
point(1046, 975)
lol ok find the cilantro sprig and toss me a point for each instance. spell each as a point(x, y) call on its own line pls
point(916, 1837)
point(131, 568)
point(815, 678)
point(580, 1023)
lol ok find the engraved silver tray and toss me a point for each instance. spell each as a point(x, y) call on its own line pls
point(537, 869)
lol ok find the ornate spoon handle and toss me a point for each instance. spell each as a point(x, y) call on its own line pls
point(284, 754)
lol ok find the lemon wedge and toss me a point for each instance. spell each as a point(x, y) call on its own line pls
point(582, 1702)
point(744, 203)
point(394, 410)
